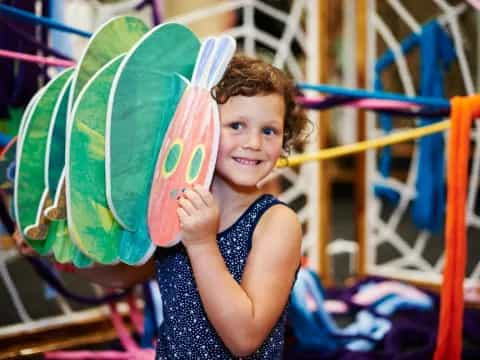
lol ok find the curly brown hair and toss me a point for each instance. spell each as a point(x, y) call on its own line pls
point(247, 76)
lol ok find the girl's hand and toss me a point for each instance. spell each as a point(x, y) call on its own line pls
point(199, 216)
point(21, 245)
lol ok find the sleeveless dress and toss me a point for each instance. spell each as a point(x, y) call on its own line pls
point(186, 332)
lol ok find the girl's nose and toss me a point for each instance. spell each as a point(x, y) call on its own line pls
point(253, 141)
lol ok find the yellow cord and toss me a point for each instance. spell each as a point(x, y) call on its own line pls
point(365, 145)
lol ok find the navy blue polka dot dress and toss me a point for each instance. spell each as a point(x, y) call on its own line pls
point(186, 332)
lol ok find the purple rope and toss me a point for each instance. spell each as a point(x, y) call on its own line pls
point(339, 100)
point(412, 336)
point(156, 13)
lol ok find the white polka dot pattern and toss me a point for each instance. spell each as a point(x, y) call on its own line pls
point(186, 332)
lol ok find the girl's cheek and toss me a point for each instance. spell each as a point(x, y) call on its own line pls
point(278, 146)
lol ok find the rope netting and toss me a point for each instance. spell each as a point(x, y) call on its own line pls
point(394, 246)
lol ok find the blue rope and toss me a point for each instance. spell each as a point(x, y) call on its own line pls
point(388, 58)
point(28, 16)
point(437, 53)
point(385, 118)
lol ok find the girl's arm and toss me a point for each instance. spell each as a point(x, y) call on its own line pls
point(113, 276)
point(119, 275)
point(243, 314)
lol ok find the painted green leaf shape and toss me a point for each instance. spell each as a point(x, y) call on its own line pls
point(144, 97)
point(63, 247)
point(90, 221)
point(25, 118)
point(55, 156)
point(30, 180)
point(113, 38)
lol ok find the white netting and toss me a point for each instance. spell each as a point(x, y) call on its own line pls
point(393, 246)
point(288, 49)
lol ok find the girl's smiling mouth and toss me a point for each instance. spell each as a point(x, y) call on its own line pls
point(247, 161)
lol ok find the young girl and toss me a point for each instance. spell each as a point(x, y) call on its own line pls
point(225, 287)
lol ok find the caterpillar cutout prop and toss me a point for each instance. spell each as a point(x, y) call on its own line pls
point(115, 37)
point(89, 221)
point(93, 142)
point(96, 127)
point(50, 231)
point(143, 100)
point(30, 194)
point(190, 147)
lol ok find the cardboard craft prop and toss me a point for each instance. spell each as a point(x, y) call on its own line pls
point(30, 195)
point(90, 221)
point(115, 37)
point(189, 150)
point(144, 98)
point(63, 247)
point(92, 138)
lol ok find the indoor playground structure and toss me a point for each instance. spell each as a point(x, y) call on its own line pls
point(392, 92)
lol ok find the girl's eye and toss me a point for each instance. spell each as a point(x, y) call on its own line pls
point(236, 125)
point(269, 131)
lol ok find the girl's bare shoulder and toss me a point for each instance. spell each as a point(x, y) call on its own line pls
point(281, 223)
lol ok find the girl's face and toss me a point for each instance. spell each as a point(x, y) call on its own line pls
point(250, 139)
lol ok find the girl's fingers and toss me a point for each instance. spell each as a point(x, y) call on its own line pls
point(182, 214)
point(186, 205)
point(205, 195)
point(182, 217)
point(194, 197)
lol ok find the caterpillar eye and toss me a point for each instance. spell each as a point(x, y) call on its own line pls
point(195, 163)
point(172, 159)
